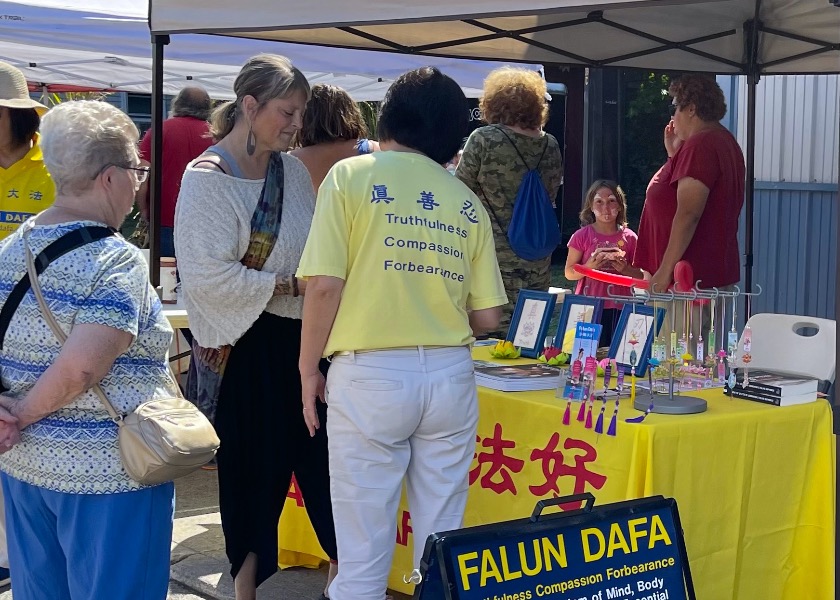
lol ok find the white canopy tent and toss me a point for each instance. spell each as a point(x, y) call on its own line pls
point(105, 45)
point(795, 36)
point(99, 70)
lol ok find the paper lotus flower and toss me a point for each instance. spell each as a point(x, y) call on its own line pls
point(553, 356)
point(505, 350)
point(687, 357)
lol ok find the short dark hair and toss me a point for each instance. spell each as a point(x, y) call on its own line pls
point(24, 124)
point(192, 102)
point(427, 111)
point(331, 115)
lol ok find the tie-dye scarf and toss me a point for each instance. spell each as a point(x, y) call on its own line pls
point(207, 367)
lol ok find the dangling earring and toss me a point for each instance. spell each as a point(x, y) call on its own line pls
point(250, 143)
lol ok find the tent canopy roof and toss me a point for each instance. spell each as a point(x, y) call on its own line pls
point(106, 45)
point(793, 36)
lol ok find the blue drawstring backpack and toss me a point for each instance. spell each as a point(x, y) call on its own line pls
point(533, 232)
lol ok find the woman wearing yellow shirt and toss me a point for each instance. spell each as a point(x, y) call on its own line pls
point(403, 275)
point(25, 185)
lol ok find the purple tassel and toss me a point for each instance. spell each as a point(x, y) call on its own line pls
point(567, 415)
point(582, 411)
point(589, 417)
point(611, 430)
point(599, 424)
point(641, 418)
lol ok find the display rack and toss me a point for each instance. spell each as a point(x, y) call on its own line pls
point(673, 400)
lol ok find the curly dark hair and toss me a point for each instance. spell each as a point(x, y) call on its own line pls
point(514, 97)
point(703, 92)
point(331, 115)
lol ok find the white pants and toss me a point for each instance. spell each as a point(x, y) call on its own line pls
point(394, 414)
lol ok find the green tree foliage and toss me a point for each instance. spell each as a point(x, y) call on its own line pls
point(643, 153)
point(370, 113)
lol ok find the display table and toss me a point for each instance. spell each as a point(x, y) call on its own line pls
point(176, 314)
point(754, 485)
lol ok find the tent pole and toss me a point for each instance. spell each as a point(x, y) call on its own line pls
point(834, 393)
point(753, 72)
point(158, 42)
point(749, 188)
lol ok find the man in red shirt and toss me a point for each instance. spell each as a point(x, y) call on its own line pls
point(186, 135)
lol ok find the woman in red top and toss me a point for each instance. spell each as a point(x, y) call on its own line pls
point(693, 202)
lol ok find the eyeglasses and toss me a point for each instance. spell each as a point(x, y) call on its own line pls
point(672, 108)
point(141, 174)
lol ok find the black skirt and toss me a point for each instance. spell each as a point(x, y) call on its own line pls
point(264, 440)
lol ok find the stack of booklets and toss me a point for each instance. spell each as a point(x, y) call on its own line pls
point(770, 388)
point(516, 378)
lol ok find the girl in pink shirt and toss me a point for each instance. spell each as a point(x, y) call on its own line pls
point(603, 242)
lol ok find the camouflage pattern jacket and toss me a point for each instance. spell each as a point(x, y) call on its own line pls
point(493, 170)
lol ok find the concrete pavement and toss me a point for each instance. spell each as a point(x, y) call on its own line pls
point(198, 549)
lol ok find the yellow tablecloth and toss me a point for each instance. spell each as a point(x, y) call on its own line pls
point(754, 485)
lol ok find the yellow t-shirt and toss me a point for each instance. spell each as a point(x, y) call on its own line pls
point(414, 247)
point(26, 189)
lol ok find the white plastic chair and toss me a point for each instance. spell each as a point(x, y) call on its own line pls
point(778, 346)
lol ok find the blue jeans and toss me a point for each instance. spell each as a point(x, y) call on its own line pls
point(66, 546)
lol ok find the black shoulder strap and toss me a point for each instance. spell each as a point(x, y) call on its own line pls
point(545, 147)
point(210, 162)
point(66, 243)
point(522, 158)
point(490, 208)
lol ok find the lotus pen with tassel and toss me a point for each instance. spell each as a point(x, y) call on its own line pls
point(711, 339)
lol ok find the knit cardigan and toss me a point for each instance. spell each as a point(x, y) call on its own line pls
point(223, 298)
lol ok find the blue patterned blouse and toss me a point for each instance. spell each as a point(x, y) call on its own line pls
point(74, 449)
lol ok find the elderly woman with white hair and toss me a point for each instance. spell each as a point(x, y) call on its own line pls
point(78, 526)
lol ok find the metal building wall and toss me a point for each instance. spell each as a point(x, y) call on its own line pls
point(796, 191)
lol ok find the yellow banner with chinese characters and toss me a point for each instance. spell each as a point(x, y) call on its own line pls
point(754, 485)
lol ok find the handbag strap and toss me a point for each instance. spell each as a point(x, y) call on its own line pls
point(66, 243)
point(49, 317)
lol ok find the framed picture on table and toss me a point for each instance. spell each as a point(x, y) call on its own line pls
point(529, 322)
point(576, 309)
point(634, 334)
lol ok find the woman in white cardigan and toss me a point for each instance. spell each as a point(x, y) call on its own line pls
point(242, 218)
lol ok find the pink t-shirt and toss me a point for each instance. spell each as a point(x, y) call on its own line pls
point(586, 240)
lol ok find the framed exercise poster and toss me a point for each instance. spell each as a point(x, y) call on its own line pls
point(529, 323)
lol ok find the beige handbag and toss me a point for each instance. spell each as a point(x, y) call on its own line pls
point(163, 439)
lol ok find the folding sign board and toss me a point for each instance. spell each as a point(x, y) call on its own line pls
point(633, 549)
